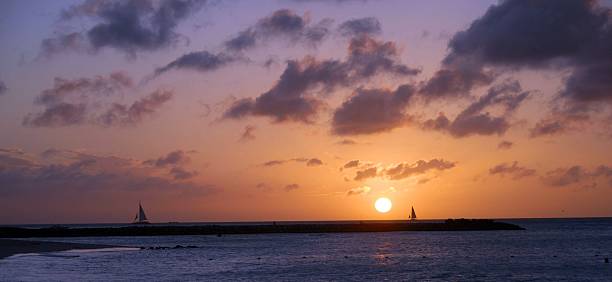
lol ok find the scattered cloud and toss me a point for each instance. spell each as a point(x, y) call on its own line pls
point(307, 161)
point(370, 111)
point(89, 101)
point(572, 37)
point(288, 100)
point(60, 114)
point(476, 120)
point(292, 99)
point(245, 39)
point(314, 162)
point(175, 161)
point(513, 170)
point(112, 84)
point(248, 134)
point(202, 61)
point(547, 127)
point(357, 164)
point(282, 24)
point(423, 180)
point(505, 145)
point(270, 62)
point(129, 26)
point(359, 27)
point(3, 88)
point(291, 187)
point(566, 176)
point(180, 173)
point(122, 115)
point(455, 79)
point(273, 163)
point(562, 120)
point(425, 34)
point(351, 164)
point(77, 173)
point(577, 174)
point(359, 191)
point(602, 170)
point(397, 171)
point(347, 142)
point(366, 173)
point(178, 157)
point(64, 43)
point(368, 57)
point(404, 170)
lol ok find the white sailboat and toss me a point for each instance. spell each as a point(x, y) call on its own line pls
point(412, 215)
point(141, 217)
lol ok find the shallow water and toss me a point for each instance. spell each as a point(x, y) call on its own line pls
point(553, 250)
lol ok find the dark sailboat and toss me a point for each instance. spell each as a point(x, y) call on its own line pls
point(141, 217)
point(412, 215)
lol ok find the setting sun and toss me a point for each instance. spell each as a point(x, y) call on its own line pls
point(383, 205)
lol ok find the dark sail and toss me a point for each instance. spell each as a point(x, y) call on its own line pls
point(141, 217)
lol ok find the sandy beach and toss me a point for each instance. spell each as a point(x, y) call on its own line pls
point(9, 247)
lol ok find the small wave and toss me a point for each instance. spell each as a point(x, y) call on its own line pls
point(72, 253)
point(113, 249)
point(52, 254)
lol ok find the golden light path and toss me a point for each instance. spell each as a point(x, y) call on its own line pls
point(383, 205)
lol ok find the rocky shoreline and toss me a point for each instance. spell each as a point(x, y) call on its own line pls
point(212, 229)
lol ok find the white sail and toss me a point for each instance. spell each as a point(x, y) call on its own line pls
point(141, 214)
point(141, 217)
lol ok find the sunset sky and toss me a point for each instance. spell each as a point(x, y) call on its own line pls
point(304, 110)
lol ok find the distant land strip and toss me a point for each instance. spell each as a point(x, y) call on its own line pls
point(212, 229)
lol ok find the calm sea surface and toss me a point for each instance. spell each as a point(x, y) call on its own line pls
point(549, 250)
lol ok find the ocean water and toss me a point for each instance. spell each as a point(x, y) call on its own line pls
point(549, 250)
